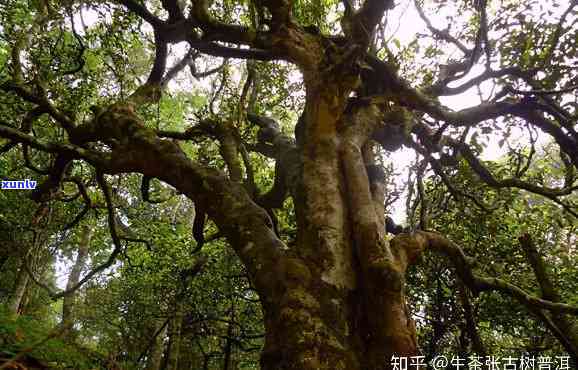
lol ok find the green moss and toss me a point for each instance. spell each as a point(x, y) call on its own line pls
point(296, 271)
point(299, 298)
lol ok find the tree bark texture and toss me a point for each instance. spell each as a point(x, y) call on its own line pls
point(342, 305)
point(335, 300)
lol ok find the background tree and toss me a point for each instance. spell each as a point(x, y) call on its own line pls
point(129, 111)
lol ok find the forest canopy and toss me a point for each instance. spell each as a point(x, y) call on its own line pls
point(283, 185)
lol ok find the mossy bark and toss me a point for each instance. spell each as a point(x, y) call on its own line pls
point(336, 299)
point(342, 305)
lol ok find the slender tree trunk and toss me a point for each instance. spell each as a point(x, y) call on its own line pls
point(18, 291)
point(3, 259)
point(565, 328)
point(189, 358)
point(470, 321)
point(155, 355)
point(175, 334)
point(228, 358)
point(69, 301)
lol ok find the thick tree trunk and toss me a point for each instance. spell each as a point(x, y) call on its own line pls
point(319, 327)
point(82, 253)
point(343, 306)
point(336, 299)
